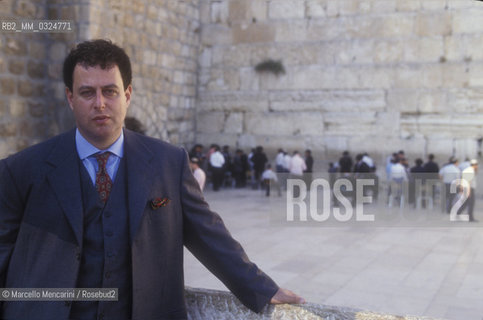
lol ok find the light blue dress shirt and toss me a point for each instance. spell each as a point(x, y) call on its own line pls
point(87, 151)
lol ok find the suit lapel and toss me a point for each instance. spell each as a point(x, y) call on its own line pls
point(65, 181)
point(139, 175)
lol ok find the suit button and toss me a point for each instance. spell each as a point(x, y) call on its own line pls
point(78, 256)
point(110, 254)
point(107, 214)
point(109, 233)
point(108, 275)
point(101, 316)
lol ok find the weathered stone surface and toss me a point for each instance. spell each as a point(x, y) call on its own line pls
point(284, 123)
point(234, 123)
point(15, 46)
point(336, 100)
point(233, 101)
point(286, 9)
point(16, 66)
point(36, 70)
point(7, 86)
point(252, 33)
point(204, 304)
point(211, 122)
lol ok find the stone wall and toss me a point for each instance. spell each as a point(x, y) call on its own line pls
point(373, 75)
point(161, 37)
point(205, 304)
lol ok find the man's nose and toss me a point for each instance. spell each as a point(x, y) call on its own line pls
point(100, 100)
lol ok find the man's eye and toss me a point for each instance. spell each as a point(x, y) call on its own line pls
point(87, 93)
point(110, 92)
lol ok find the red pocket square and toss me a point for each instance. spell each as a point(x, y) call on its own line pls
point(159, 202)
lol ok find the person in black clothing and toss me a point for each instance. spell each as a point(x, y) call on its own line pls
point(259, 160)
point(309, 162)
point(240, 166)
point(431, 172)
point(415, 179)
point(345, 163)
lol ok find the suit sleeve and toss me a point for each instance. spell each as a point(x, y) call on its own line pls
point(11, 211)
point(206, 236)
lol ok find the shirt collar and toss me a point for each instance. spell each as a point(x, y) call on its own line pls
point(86, 149)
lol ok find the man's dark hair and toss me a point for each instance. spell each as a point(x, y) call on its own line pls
point(98, 52)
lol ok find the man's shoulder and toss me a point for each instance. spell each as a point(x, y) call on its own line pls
point(42, 149)
point(152, 144)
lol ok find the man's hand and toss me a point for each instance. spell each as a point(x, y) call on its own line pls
point(286, 296)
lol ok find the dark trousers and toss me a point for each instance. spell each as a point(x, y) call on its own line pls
point(469, 204)
point(447, 202)
point(217, 177)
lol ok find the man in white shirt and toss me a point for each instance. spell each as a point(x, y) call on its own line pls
point(217, 161)
point(448, 174)
point(297, 165)
point(279, 160)
point(198, 173)
point(469, 174)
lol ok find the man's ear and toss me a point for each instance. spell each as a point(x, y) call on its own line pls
point(70, 97)
point(128, 94)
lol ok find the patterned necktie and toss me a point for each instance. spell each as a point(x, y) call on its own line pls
point(103, 181)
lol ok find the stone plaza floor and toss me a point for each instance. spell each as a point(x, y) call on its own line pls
point(403, 269)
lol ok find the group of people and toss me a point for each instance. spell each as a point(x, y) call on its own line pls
point(224, 168)
point(457, 180)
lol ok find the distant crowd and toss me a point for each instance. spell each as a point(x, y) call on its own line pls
point(222, 168)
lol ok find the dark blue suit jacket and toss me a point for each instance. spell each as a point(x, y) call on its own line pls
point(41, 230)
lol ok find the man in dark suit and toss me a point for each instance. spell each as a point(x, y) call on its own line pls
point(103, 207)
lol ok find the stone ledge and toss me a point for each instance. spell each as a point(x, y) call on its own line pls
point(204, 304)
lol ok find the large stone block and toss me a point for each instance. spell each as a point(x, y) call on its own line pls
point(466, 21)
point(220, 12)
point(15, 46)
point(355, 52)
point(397, 25)
point(233, 101)
point(252, 33)
point(272, 143)
point(238, 10)
point(433, 23)
point(440, 146)
point(7, 86)
point(434, 102)
point(249, 79)
point(220, 139)
point(373, 77)
point(423, 76)
point(284, 123)
point(476, 76)
point(409, 5)
point(384, 6)
point(233, 123)
point(466, 148)
point(286, 9)
point(312, 78)
point(215, 34)
point(212, 122)
point(455, 76)
point(388, 51)
point(328, 101)
point(431, 49)
point(466, 100)
point(258, 10)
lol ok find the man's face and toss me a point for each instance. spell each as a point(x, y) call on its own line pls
point(99, 103)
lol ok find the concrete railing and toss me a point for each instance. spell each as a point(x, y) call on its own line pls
point(206, 304)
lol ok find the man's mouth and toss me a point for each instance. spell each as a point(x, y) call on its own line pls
point(101, 119)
